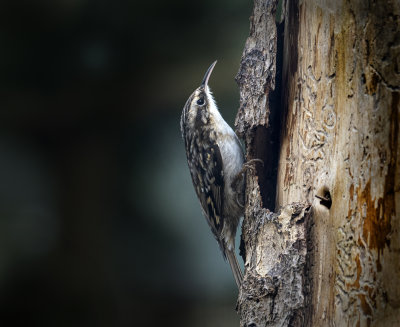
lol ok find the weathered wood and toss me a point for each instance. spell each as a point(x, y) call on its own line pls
point(275, 244)
point(256, 77)
point(276, 254)
point(340, 103)
point(341, 137)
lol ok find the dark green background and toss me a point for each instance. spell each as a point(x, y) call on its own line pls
point(99, 224)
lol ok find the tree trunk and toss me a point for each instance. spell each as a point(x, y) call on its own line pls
point(320, 100)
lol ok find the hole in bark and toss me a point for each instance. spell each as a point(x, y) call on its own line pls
point(325, 197)
point(266, 139)
point(266, 148)
point(242, 248)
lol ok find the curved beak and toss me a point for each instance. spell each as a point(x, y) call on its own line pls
point(207, 75)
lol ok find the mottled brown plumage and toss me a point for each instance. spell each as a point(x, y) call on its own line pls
point(215, 158)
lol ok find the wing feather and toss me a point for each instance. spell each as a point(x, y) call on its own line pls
point(207, 175)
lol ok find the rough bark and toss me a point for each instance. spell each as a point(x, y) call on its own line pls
point(320, 106)
point(273, 290)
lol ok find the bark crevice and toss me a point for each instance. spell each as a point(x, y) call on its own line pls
point(335, 105)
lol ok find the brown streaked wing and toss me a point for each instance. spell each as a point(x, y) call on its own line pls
point(209, 165)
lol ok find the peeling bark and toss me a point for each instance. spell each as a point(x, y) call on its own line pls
point(326, 80)
point(273, 288)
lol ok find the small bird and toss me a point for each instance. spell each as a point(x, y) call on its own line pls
point(215, 158)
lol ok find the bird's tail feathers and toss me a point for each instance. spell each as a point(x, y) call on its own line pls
point(237, 272)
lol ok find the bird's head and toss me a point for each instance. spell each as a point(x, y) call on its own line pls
point(200, 102)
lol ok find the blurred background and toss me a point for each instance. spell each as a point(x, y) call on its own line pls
point(99, 222)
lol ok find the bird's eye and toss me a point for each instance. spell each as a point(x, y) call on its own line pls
point(200, 102)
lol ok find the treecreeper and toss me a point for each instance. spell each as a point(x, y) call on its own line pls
point(216, 163)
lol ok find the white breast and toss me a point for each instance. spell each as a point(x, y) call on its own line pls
point(228, 143)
